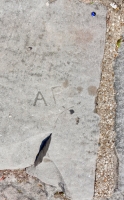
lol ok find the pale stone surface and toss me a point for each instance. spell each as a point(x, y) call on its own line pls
point(55, 49)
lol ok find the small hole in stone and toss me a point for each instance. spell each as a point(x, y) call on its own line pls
point(77, 120)
point(71, 111)
point(58, 194)
point(30, 48)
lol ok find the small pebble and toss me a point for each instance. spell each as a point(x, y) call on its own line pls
point(113, 5)
point(93, 14)
point(47, 4)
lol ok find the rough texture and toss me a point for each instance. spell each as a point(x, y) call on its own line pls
point(119, 125)
point(107, 162)
point(18, 185)
point(50, 72)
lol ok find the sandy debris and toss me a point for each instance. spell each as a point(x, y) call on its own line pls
point(107, 161)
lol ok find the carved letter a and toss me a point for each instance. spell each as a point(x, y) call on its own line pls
point(42, 98)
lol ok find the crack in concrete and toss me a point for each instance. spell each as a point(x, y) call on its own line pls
point(62, 184)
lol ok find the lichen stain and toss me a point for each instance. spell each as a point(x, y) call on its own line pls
point(65, 83)
point(83, 37)
point(92, 90)
point(79, 89)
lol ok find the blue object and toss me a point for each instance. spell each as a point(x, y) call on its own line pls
point(93, 14)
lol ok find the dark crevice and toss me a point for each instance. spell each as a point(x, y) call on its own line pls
point(42, 150)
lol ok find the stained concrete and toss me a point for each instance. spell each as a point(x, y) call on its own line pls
point(51, 56)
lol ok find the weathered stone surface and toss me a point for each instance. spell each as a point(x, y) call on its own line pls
point(116, 196)
point(52, 52)
point(119, 125)
point(12, 189)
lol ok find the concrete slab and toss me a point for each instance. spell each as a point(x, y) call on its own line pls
point(50, 71)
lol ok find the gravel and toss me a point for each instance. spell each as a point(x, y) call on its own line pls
point(107, 160)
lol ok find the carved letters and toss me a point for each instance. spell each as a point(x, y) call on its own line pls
point(40, 96)
point(37, 98)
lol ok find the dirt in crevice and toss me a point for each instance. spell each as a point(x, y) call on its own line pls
point(106, 177)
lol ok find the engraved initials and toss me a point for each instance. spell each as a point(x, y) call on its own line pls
point(37, 98)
